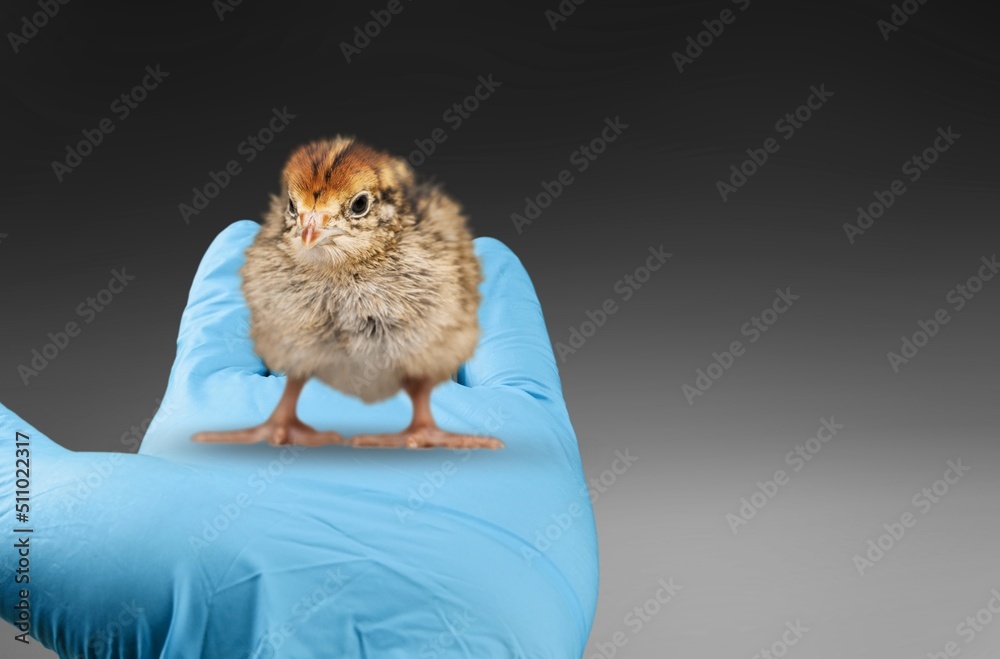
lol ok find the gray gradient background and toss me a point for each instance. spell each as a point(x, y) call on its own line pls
point(665, 516)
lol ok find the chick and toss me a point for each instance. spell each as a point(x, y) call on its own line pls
point(366, 279)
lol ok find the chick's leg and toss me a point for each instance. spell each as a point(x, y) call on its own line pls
point(422, 431)
point(282, 427)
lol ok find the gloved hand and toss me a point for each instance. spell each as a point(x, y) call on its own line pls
point(194, 550)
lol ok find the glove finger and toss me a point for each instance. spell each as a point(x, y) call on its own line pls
point(215, 326)
point(514, 347)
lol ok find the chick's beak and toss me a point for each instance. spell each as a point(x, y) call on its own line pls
point(315, 231)
point(310, 235)
point(312, 228)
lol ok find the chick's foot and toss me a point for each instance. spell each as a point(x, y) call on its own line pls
point(276, 433)
point(283, 427)
point(425, 437)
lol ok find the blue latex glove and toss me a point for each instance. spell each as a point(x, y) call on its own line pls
point(194, 550)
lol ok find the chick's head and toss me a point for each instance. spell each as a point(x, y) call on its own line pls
point(345, 201)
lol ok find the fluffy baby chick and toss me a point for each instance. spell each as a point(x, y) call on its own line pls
point(366, 279)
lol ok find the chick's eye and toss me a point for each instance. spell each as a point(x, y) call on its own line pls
point(361, 204)
point(291, 206)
